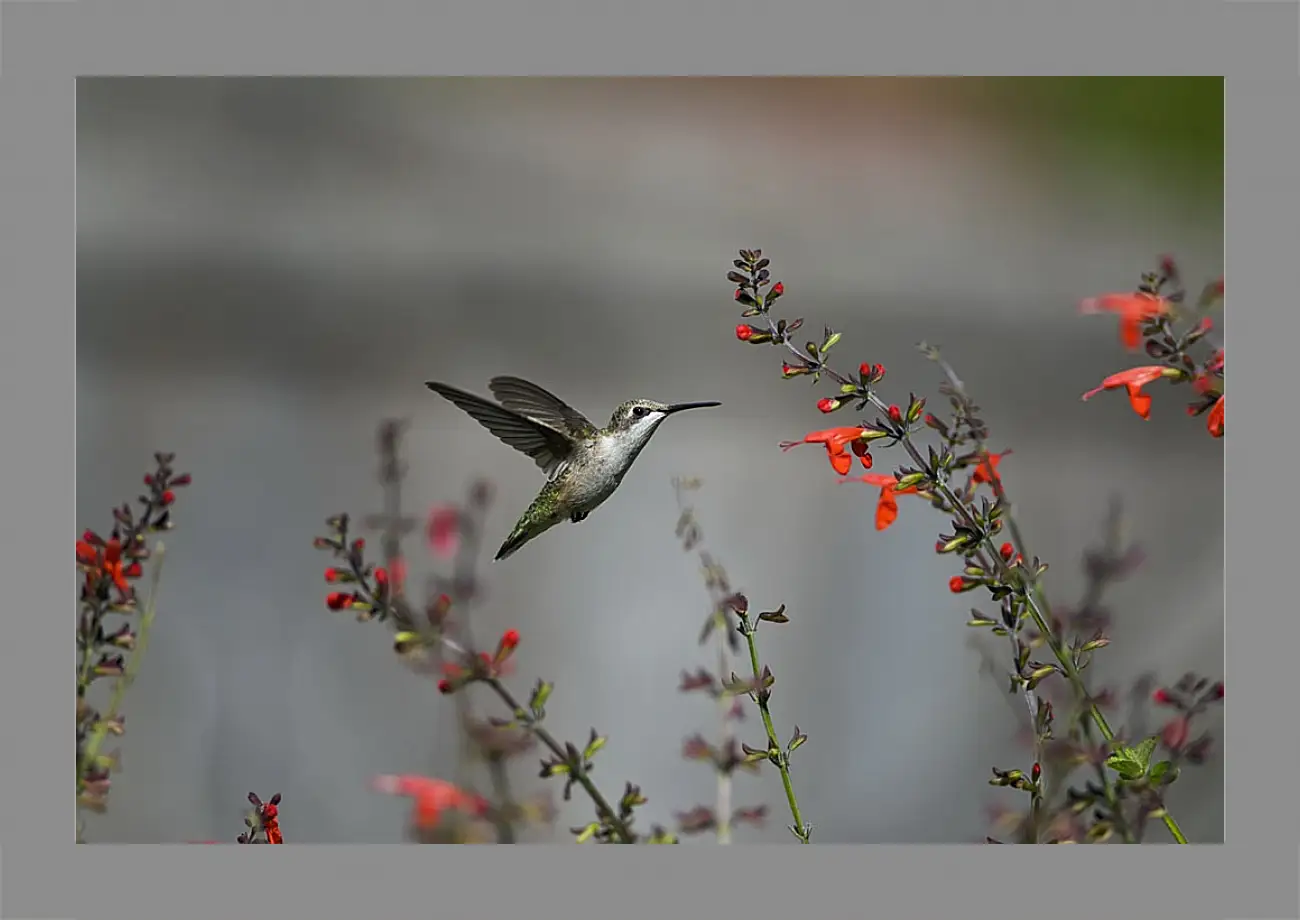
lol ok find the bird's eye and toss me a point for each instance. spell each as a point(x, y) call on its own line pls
point(640, 411)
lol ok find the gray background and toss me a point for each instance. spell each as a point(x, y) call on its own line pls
point(265, 268)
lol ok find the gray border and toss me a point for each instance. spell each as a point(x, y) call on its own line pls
point(1254, 875)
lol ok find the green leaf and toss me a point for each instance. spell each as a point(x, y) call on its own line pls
point(1124, 762)
point(1142, 753)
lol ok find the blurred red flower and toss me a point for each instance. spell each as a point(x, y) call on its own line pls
point(443, 530)
point(432, 798)
point(1133, 309)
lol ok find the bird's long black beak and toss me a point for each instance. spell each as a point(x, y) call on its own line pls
point(681, 407)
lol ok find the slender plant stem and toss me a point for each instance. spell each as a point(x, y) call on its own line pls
point(722, 809)
point(577, 771)
point(775, 752)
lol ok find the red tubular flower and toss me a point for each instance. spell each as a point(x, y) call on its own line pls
point(431, 798)
point(337, 600)
point(1133, 309)
point(443, 531)
point(957, 584)
point(836, 441)
point(745, 332)
point(778, 289)
point(87, 555)
point(1133, 380)
point(887, 503)
point(103, 559)
point(509, 642)
point(332, 575)
point(1214, 422)
point(828, 405)
point(988, 471)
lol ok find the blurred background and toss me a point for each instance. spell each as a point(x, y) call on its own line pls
point(269, 267)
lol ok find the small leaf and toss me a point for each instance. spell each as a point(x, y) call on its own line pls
point(1125, 763)
point(775, 616)
point(1142, 753)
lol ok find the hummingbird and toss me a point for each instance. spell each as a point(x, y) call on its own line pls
point(583, 464)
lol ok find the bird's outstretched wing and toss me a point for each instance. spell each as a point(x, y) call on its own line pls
point(548, 447)
point(531, 400)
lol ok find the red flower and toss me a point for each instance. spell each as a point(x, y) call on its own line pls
point(337, 600)
point(443, 531)
point(1214, 422)
point(509, 642)
point(778, 289)
point(836, 441)
point(332, 575)
point(1133, 309)
point(432, 797)
point(1133, 380)
point(895, 414)
point(957, 584)
point(745, 331)
point(887, 504)
point(1174, 735)
point(168, 497)
point(988, 471)
point(104, 559)
point(828, 405)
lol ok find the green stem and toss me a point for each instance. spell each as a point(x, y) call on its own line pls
point(781, 758)
point(579, 774)
point(1174, 830)
point(96, 741)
